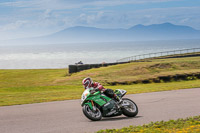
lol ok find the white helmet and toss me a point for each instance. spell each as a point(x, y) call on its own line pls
point(87, 82)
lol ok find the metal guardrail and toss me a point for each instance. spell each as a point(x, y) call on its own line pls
point(158, 54)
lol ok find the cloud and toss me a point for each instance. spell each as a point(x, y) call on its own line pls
point(177, 15)
point(13, 26)
point(90, 18)
point(71, 4)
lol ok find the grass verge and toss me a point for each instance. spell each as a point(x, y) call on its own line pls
point(27, 95)
point(188, 125)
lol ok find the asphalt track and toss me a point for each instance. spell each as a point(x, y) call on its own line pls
point(67, 116)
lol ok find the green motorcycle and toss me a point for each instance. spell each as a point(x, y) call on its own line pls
point(97, 105)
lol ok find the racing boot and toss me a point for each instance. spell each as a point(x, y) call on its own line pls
point(118, 99)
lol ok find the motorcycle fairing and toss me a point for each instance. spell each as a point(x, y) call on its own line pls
point(110, 109)
point(120, 92)
point(97, 98)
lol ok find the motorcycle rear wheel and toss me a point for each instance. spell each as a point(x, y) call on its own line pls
point(131, 110)
point(90, 114)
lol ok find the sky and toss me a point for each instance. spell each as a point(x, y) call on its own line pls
point(29, 18)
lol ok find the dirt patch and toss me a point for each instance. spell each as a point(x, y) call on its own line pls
point(161, 66)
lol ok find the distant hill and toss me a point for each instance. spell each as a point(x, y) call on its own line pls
point(80, 34)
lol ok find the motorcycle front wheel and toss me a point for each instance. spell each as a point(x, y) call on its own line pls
point(91, 114)
point(129, 108)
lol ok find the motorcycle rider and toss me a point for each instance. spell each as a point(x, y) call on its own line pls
point(88, 83)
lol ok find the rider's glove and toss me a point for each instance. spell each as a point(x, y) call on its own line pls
point(92, 91)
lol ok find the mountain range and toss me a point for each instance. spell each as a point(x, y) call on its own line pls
point(80, 34)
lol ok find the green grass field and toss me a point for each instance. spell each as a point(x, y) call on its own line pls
point(42, 85)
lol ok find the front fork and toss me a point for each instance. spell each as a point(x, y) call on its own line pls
point(94, 107)
point(91, 105)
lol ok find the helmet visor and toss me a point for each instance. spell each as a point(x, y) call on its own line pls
point(86, 84)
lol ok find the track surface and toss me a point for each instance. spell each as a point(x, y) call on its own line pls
point(67, 116)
